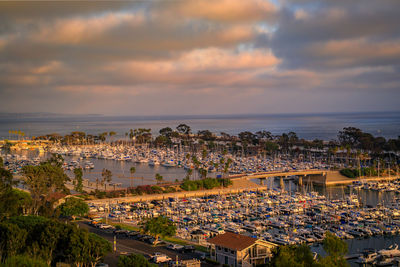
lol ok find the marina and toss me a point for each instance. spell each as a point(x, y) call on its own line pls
point(281, 218)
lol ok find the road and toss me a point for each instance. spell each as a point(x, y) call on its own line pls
point(129, 245)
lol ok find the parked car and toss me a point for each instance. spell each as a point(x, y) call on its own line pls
point(175, 247)
point(160, 258)
point(189, 249)
point(121, 232)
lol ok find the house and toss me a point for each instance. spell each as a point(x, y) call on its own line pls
point(239, 250)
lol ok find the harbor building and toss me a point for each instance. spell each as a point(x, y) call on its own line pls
point(239, 250)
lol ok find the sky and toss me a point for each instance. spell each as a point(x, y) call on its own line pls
point(189, 57)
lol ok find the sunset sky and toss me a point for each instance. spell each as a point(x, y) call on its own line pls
point(199, 57)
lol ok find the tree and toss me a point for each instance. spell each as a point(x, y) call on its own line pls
point(6, 181)
point(56, 160)
point(23, 260)
point(78, 182)
point(15, 202)
point(350, 136)
point(12, 240)
point(189, 173)
point(167, 131)
point(159, 226)
point(336, 249)
point(183, 129)
point(1, 162)
point(98, 248)
point(73, 207)
point(111, 134)
point(43, 181)
point(206, 135)
point(159, 178)
point(54, 241)
point(107, 176)
point(296, 256)
point(133, 260)
point(132, 170)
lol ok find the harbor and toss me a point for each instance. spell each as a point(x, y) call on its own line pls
point(274, 216)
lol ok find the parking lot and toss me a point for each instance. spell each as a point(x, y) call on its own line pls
point(128, 242)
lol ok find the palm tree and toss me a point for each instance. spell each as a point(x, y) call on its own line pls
point(159, 178)
point(189, 173)
point(132, 170)
point(107, 176)
point(111, 134)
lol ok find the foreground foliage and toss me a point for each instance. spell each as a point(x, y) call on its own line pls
point(23, 261)
point(301, 255)
point(50, 241)
point(44, 182)
point(133, 261)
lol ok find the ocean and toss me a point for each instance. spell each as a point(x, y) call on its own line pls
point(323, 126)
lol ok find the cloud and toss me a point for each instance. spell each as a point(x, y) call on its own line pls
point(199, 56)
point(220, 10)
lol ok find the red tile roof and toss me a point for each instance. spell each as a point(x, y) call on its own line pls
point(233, 241)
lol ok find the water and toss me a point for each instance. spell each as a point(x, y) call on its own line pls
point(121, 172)
point(308, 126)
point(356, 245)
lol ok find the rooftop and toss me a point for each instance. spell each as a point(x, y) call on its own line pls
point(232, 241)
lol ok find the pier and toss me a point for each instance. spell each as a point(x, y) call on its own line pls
point(320, 177)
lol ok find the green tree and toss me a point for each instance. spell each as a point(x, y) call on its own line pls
point(15, 202)
point(43, 182)
point(159, 178)
point(336, 249)
point(54, 241)
point(167, 132)
point(73, 207)
point(107, 176)
point(78, 182)
point(134, 260)
point(98, 248)
point(159, 226)
point(183, 129)
point(6, 180)
point(23, 261)
point(56, 160)
point(12, 240)
point(296, 256)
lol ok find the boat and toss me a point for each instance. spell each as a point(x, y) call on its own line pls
point(367, 256)
point(392, 251)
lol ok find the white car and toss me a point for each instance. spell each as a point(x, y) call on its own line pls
point(160, 258)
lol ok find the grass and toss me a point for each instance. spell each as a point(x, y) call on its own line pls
point(125, 226)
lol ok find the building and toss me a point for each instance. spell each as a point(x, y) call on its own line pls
point(239, 250)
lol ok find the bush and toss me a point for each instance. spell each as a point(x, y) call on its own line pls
point(23, 261)
point(156, 189)
point(207, 183)
point(133, 260)
point(350, 173)
point(354, 173)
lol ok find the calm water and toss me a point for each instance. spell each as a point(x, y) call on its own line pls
point(308, 126)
